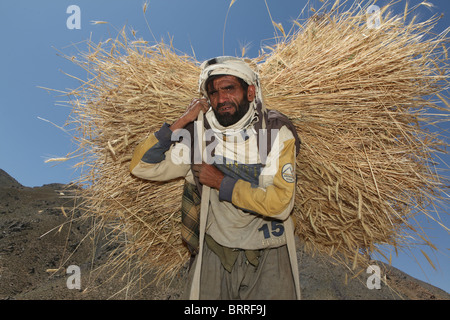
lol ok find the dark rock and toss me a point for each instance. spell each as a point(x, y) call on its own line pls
point(7, 181)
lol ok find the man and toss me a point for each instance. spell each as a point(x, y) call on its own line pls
point(238, 160)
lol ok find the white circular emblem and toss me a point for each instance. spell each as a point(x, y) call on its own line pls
point(288, 173)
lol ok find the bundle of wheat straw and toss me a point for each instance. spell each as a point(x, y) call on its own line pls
point(133, 90)
point(357, 97)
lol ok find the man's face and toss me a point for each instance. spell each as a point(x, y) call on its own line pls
point(230, 102)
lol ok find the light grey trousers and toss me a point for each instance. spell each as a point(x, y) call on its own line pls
point(271, 280)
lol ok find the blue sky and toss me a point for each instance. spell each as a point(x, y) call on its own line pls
point(32, 32)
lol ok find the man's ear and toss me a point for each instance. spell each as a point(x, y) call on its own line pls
point(251, 92)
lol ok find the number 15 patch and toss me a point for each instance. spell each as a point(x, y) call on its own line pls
point(276, 229)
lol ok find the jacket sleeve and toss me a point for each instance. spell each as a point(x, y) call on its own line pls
point(276, 199)
point(158, 158)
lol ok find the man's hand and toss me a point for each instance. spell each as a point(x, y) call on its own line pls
point(208, 175)
point(191, 113)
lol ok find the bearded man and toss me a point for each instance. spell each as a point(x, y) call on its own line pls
point(238, 198)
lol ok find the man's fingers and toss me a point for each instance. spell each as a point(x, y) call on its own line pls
point(200, 103)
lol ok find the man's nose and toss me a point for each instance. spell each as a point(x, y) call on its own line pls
point(222, 96)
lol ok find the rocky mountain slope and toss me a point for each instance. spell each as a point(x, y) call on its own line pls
point(38, 243)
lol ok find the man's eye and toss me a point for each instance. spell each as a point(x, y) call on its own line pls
point(211, 93)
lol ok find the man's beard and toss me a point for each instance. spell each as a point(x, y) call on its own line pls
point(227, 119)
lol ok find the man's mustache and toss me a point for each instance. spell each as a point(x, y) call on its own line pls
point(226, 104)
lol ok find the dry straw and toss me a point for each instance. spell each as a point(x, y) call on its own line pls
point(361, 99)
